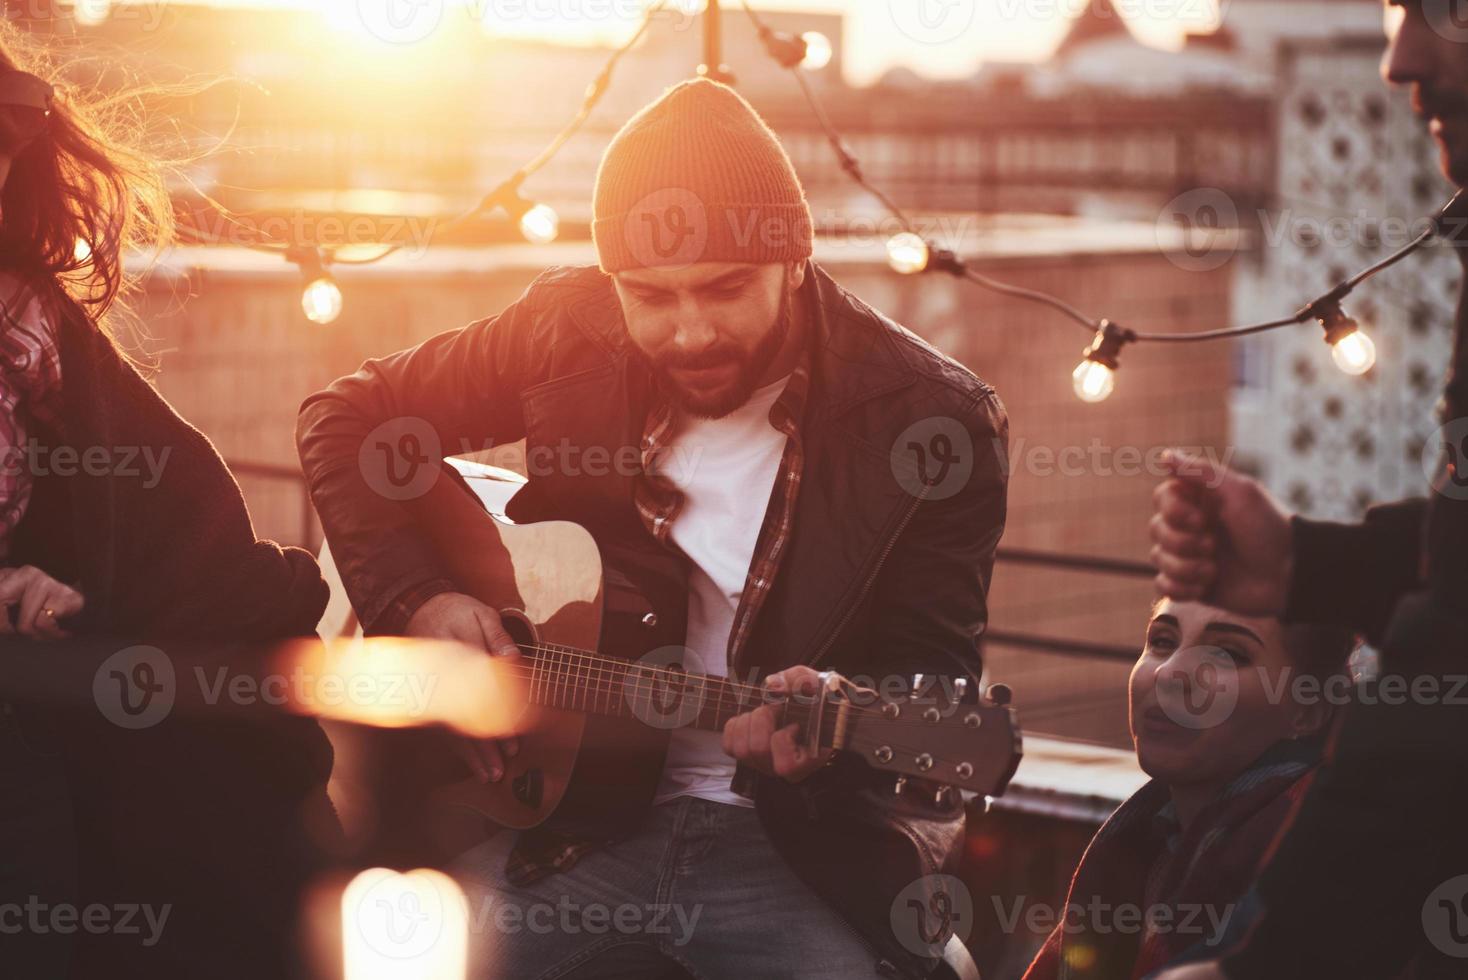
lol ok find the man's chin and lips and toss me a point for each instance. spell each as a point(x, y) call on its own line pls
point(716, 381)
point(709, 385)
point(1447, 120)
point(712, 383)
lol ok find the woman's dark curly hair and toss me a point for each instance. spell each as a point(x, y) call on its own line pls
point(81, 193)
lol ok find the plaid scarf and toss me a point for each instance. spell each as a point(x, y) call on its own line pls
point(1145, 892)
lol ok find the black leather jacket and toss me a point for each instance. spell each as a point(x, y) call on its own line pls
point(883, 575)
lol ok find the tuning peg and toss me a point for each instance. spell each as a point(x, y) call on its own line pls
point(899, 786)
point(960, 688)
point(1000, 694)
point(917, 685)
point(941, 795)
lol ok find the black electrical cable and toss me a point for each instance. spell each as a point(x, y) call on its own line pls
point(943, 260)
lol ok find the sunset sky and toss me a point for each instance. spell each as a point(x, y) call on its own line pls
point(880, 33)
point(935, 37)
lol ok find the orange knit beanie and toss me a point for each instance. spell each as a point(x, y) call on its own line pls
point(697, 176)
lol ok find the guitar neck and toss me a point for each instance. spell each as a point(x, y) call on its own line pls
point(974, 746)
point(661, 696)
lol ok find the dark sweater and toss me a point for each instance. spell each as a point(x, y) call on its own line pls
point(205, 817)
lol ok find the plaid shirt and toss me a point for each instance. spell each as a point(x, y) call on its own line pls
point(30, 387)
point(540, 851)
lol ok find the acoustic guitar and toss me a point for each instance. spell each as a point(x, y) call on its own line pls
point(607, 681)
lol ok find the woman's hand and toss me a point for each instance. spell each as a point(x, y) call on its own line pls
point(42, 602)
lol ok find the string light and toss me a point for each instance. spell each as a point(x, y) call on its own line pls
point(811, 50)
point(908, 253)
point(540, 224)
point(1094, 378)
point(321, 297)
point(818, 51)
point(322, 300)
point(1352, 351)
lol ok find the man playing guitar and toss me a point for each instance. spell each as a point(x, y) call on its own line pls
point(832, 490)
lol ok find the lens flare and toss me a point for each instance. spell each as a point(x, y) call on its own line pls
point(404, 926)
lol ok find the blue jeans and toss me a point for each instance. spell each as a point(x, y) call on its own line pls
point(699, 886)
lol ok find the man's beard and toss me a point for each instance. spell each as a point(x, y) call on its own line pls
point(752, 367)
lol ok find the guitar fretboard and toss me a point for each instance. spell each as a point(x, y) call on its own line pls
point(661, 696)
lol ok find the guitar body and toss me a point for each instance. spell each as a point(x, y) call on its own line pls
point(594, 734)
point(573, 770)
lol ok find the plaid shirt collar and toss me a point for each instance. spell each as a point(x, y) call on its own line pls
point(659, 501)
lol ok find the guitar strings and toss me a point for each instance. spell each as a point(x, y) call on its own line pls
point(550, 674)
point(598, 659)
point(725, 693)
point(898, 747)
point(608, 668)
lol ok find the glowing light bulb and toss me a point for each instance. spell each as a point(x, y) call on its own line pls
point(90, 13)
point(817, 51)
point(540, 224)
point(1094, 381)
point(321, 300)
point(1354, 353)
point(907, 253)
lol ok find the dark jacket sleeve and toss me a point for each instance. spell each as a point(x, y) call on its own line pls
point(163, 546)
point(1347, 891)
point(1355, 574)
point(375, 439)
point(931, 597)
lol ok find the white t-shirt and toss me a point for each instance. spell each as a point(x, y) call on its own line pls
point(726, 469)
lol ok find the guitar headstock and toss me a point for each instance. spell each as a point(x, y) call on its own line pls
point(936, 735)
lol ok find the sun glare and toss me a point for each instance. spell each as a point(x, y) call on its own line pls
point(877, 36)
